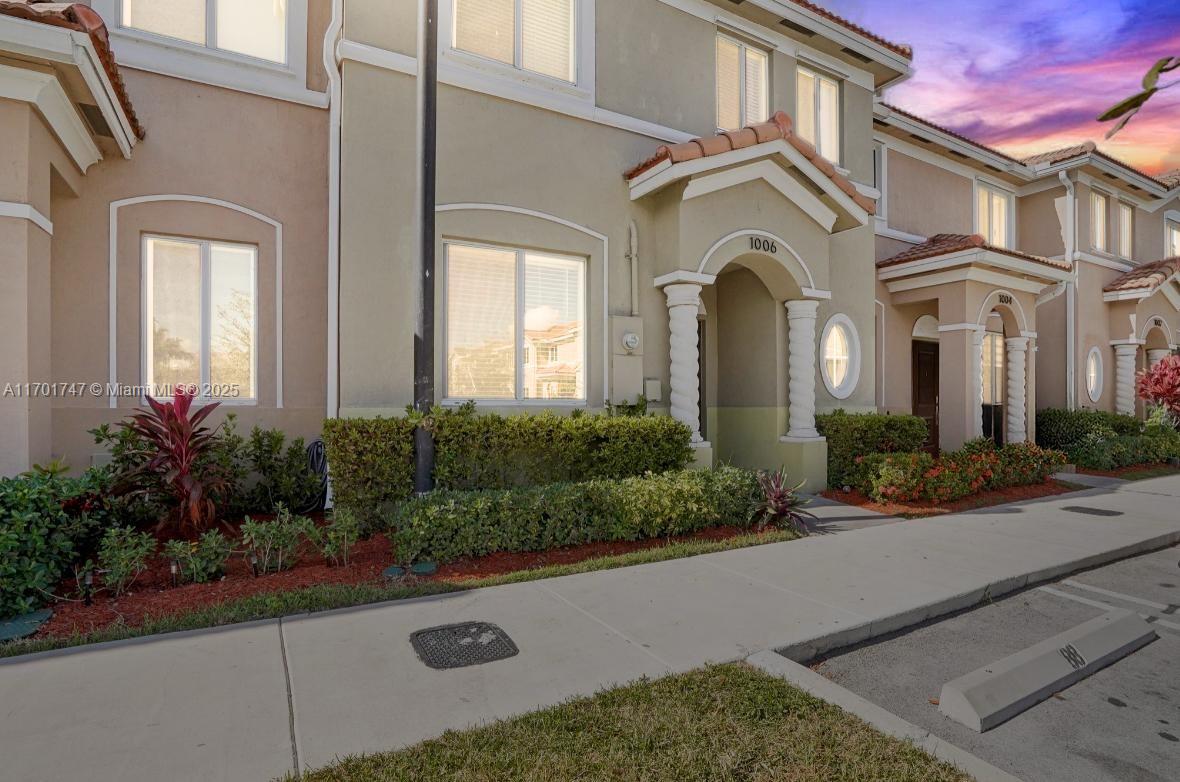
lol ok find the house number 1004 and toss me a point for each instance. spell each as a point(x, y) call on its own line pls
point(763, 245)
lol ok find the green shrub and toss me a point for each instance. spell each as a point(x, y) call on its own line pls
point(447, 525)
point(335, 539)
point(281, 471)
point(852, 435)
point(1067, 430)
point(371, 460)
point(371, 464)
point(1026, 464)
point(1125, 451)
point(122, 556)
point(274, 545)
point(49, 524)
point(202, 560)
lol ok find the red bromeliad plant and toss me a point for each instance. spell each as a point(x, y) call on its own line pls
point(179, 443)
point(780, 505)
point(1160, 385)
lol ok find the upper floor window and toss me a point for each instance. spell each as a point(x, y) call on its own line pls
point(1173, 239)
point(256, 28)
point(742, 76)
point(531, 35)
point(1126, 230)
point(200, 316)
point(817, 113)
point(1098, 221)
point(994, 213)
point(515, 324)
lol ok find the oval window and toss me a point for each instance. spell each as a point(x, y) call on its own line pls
point(1094, 374)
point(840, 356)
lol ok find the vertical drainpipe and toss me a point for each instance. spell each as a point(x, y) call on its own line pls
point(332, 65)
point(1071, 293)
point(633, 256)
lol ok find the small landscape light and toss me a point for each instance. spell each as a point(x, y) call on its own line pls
point(88, 581)
point(254, 564)
point(173, 568)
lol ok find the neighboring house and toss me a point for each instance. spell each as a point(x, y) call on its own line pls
point(700, 201)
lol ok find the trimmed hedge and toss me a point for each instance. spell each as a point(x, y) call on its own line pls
point(371, 460)
point(978, 466)
point(447, 525)
point(852, 435)
point(1066, 430)
point(1127, 450)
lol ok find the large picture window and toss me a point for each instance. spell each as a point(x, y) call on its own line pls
point(515, 324)
point(200, 316)
point(533, 35)
point(994, 208)
point(742, 76)
point(256, 28)
point(1126, 231)
point(817, 114)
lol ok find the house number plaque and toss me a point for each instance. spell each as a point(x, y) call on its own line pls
point(763, 245)
point(1004, 298)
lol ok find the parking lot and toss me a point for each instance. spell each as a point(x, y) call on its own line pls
point(1122, 723)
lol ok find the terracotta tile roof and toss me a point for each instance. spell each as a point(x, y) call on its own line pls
point(949, 132)
point(1171, 178)
point(942, 244)
point(1145, 276)
point(1089, 148)
point(76, 16)
point(778, 128)
point(905, 50)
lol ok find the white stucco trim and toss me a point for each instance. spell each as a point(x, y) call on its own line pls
point(1094, 352)
point(1169, 334)
point(44, 91)
point(773, 175)
point(960, 327)
point(765, 235)
point(335, 88)
point(26, 212)
point(845, 389)
point(218, 67)
point(990, 258)
point(880, 357)
point(499, 87)
point(990, 303)
point(478, 207)
point(1129, 295)
point(1107, 261)
point(113, 272)
point(963, 274)
point(882, 229)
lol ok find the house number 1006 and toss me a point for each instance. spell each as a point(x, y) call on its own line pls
point(763, 245)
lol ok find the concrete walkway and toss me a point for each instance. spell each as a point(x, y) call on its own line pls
point(252, 702)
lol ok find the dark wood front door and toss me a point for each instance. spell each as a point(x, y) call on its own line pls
point(925, 385)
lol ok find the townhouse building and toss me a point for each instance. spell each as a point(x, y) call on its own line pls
point(705, 203)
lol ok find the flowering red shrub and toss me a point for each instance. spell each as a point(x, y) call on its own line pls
point(1160, 386)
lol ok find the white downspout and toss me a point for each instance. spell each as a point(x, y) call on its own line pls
point(332, 65)
point(633, 256)
point(1071, 292)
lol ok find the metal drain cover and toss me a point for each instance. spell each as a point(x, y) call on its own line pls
point(1092, 511)
point(461, 645)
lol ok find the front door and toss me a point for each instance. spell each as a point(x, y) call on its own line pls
point(925, 385)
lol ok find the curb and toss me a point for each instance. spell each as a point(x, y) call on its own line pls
point(890, 724)
point(804, 651)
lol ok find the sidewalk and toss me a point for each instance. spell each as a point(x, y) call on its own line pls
point(249, 702)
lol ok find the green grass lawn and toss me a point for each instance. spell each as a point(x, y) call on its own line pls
point(1150, 472)
point(729, 722)
point(330, 596)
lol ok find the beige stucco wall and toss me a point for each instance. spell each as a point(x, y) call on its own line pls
point(925, 199)
point(1041, 220)
point(264, 155)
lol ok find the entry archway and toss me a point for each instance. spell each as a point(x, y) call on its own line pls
point(1000, 370)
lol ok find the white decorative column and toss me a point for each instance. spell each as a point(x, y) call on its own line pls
point(1017, 388)
point(801, 367)
point(1124, 377)
point(977, 383)
point(684, 300)
point(1156, 356)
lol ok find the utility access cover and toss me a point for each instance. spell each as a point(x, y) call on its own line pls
point(461, 645)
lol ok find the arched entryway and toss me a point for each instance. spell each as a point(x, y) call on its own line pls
point(1002, 348)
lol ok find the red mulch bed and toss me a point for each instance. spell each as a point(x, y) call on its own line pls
point(930, 508)
point(154, 595)
point(1120, 472)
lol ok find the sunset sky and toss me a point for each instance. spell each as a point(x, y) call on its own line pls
point(1032, 75)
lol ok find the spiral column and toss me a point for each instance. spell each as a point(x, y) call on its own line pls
point(683, 304)
point(1124, 377)
point(977, 383)
point(1156, 356)
point(801, 367)
point(1017, 389)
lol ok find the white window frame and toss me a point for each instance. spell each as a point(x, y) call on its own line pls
point(845, 389)
point(1172, 234)
point(195, 62)
point(522, 83)
point(1095, 196)
point(146, 334)
point(819, 133)
point(1126, 232)
point(518, 328)
point(1094, 393)
point(988, 188)
point(744, 110)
